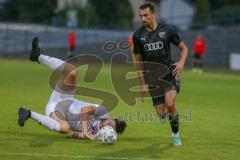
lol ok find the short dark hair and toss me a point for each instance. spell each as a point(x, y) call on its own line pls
point(147, 5)
point(120, 125)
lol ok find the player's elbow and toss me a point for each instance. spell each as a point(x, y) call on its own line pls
point(137, 57)
point(65, 128)
point(184, 49)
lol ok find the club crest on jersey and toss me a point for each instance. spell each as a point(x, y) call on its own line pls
point(162, 35)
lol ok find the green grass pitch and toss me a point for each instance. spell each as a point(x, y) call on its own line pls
point(210, 128)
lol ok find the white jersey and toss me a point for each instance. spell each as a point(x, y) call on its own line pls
point(71, 110)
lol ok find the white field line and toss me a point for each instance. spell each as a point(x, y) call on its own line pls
point(77, 156)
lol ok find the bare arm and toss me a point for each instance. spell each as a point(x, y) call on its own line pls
point(180, 64)
point(77, 135)
point(139, 67)
point(85, 114)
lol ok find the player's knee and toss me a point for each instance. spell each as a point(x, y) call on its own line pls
point(170, 100)
point(170, 105)
point(73, 74)
point(70, 70)
point(160, 111)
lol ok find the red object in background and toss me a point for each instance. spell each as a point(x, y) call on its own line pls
point(199, 46)
point(72, 38)
point(130, 41)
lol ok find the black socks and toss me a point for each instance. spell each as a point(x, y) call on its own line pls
point(174, 122)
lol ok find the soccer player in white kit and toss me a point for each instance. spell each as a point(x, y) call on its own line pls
point(64, 113)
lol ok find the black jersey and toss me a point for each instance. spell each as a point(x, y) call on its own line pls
point(155, 46)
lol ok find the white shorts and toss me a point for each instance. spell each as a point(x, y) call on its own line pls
point(57, 96)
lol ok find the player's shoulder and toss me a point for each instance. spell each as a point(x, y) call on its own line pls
point(138, 32)
point(165, 26)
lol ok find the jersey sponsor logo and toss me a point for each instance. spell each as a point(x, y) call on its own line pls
point(153, 46)
point(162, 35)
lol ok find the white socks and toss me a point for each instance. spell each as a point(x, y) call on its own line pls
point(46, 121)
point(52, 62)
point(175, 134)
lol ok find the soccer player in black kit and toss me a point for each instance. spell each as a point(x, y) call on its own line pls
point(152, 45)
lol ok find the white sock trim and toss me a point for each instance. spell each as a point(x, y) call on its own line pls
point(175, 134)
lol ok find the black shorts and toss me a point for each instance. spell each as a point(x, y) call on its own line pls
point(72, 48)
point(197, 56)
point(158, 86)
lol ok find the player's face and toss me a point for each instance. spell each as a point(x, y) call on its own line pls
point(146, 17)
point(110, 122)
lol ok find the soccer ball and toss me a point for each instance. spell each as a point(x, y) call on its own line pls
point(107, 135)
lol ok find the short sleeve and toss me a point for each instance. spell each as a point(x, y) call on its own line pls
point(101, 112)
point(136, 45)
point(175, 38)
